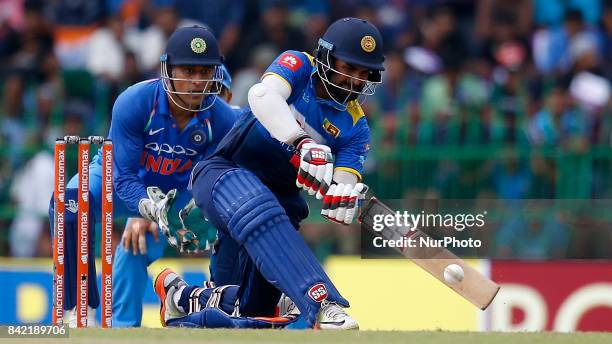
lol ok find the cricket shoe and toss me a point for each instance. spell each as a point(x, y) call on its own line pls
point(70, 317)
point(166, 284)
point(287, 308)
point(333, 317)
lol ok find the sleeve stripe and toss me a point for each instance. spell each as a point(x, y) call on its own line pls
point(350, 170)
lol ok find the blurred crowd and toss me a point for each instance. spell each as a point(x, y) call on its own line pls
point(492, 77)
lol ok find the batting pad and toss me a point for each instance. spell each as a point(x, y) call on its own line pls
point(256, 220)
point(211, 317)
point(194, 299)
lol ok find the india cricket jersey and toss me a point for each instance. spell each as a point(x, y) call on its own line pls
point(150, 149)
point(346, 132)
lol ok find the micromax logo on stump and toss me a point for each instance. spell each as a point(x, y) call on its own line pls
point(318, 292)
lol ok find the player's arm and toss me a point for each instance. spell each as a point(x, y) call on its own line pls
point(127, 126)
point(223, 119)
point(268, 102)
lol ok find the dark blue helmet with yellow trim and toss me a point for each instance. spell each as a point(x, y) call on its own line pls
point(354, 41)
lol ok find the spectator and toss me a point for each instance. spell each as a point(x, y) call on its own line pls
point(274, 29)
point(551, 12)
point(49, 100)
point(9, 35)
point(558, 122)
point(13, 128)
point(30, 190)
point(107, 51)
point(606, 38)
point(556, 48)
point(533, 237)
point(165, 20)
point(391, 99)
point(132, 72)
point(35, 43)
point(261, 58)
point(313, 17)
point(510, 93)
point(511, 177)
point(494, 15)
point(75, 22)
point(223, 17)
point(446, 96)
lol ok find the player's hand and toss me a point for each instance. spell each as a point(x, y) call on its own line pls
point(316, 167)
point(186, 229)
point(194, 223)
point(342, 202)
point(134, 235)
point(156, 206)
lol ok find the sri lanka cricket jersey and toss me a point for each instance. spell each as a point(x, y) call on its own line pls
point(346, 132)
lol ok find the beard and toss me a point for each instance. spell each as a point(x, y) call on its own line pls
point(341, 93)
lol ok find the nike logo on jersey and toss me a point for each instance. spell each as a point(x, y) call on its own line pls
point(153, 132)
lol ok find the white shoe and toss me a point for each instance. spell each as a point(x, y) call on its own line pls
point(287, 308)
point(70, 317)
point(333, 317)
point(166, 284)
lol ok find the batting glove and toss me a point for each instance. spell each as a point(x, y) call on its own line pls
point(342, 202)
point(316, 167)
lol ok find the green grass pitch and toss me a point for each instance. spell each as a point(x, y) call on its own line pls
point(171, 336)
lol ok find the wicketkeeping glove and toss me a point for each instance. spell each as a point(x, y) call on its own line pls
point(316, 167)
point(342, 201)
point(191, 218)
point(151, 208)
point(184, 228)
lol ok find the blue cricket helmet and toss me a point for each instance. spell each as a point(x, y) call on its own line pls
point(354, 41)
point(192, 46)
point(227, 78)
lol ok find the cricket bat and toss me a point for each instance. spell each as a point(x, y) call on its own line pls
point(474, 287)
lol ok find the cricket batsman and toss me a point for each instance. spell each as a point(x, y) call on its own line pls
point(305, 130)
point(160, 129)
